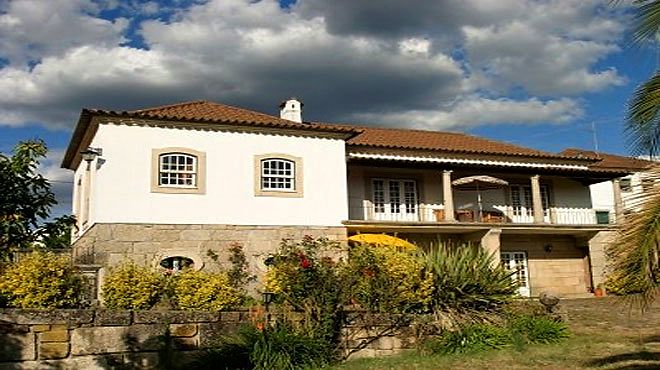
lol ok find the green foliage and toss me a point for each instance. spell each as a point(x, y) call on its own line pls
point(538, 329)
point(466, 277)
point(239, 275)
point(386, 279)
point(471, 338)
point(231, 352)
point(26, 200)
point(623, 286)
point(42, 280)
point(276, 347)
point(518, 331)
point(306, 281)
point(635, 255)
point(281, 347)
point(129, 286)
point(199, 290)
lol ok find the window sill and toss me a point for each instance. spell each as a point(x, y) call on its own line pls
point(279, 193)
point(176, 190)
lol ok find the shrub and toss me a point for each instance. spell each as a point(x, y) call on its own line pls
point(239, 273)
point(517, 330)
point(466, 277)
point(129, 286)
point(309, 282)
point(278, 347)
point(42, 280)
point(538, 329)
point(198, 290)
point(281, 347)
point(387, 279)
point(232, 351)
point(471, 338)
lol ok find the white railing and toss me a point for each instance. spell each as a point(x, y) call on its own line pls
point(505, 214)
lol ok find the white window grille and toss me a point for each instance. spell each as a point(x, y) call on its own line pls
point(278, 174)
point(177, 170)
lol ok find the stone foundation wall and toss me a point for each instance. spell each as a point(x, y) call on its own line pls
point(106, 339)
point(563, 270)
point(109, 244)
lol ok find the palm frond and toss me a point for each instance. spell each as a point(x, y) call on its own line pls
point(635, 255)
point(646, 20)
point(643, 118)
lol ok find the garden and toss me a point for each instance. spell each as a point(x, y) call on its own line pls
point(444, 301)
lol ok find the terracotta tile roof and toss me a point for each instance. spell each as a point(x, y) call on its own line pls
point(608, 161)
point(197, 112)
point(206, 111)
point(439, 141)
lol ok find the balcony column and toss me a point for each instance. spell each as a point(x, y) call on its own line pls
point(537, 203)
point(447, 196)
point(618, 201)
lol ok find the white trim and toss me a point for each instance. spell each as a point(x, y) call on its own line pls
point(508, 260)
point(466, 161)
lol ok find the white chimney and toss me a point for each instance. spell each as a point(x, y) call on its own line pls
point(291, 110)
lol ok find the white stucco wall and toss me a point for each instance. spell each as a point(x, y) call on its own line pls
point(602, 193)
point(122, 184)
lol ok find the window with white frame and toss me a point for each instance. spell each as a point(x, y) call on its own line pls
point(177, 170)
point(278, 174)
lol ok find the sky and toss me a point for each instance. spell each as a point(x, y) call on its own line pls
point(542, 74)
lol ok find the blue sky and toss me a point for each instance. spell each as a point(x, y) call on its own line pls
point(534, 73)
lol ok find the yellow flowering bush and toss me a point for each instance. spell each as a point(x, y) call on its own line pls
point(42, 280)
point(129, 286)
point(198, 290)
point(387, 279)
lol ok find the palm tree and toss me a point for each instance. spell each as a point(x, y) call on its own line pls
point(635, 255)
point(643, 118)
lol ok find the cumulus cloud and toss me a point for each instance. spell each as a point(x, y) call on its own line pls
point(417, 63)
point(477, 111)
point(545, 64)
point(32, 29)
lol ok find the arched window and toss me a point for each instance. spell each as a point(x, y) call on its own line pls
point(278, 174)
point(177, 170)
point(175, 264)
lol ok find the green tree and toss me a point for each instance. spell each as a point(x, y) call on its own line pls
point(26, 200)
point(635, 255)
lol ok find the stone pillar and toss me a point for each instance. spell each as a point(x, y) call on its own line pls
point(491, 243)
point(488, 240)
point(537, 203)
point(618, 201)
point(448, 196)
point(597, 255)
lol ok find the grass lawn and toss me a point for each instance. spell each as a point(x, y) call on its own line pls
point(604, 335)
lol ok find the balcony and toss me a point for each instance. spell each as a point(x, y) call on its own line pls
point(497, 215)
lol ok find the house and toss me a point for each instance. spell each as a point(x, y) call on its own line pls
point(167, 185)
point(631, 186)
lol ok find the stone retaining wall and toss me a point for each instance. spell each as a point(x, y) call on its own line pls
point(109, 339)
